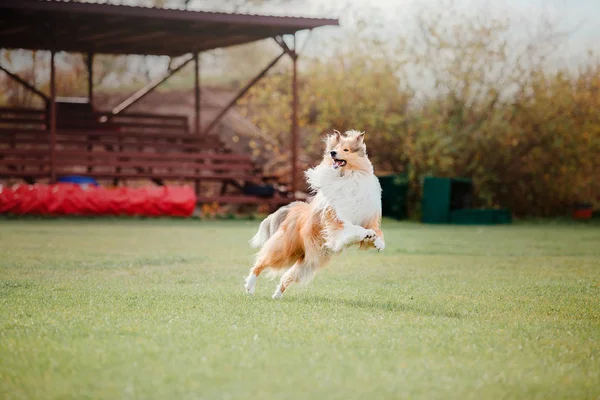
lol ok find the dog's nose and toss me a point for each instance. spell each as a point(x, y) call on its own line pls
point(333, 153)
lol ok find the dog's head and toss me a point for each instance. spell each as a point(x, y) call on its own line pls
point(346, 151)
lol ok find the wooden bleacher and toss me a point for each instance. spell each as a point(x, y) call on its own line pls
point(129, 147)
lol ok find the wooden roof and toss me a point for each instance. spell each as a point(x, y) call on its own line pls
point(119, 29)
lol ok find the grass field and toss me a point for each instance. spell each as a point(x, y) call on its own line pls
point(154, 309)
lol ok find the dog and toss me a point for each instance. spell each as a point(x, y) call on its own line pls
point(300, 238)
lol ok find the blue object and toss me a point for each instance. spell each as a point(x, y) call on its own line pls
point(78, 180)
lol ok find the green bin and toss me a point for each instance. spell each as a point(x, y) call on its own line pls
point(483, 216)
point(442, 195)
point(449, 201)
point(394, 195)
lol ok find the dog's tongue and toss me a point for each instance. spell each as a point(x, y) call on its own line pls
point(337, 164)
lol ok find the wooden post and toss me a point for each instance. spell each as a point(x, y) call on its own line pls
point(294, 127)
point(242, 92)
point(52, 117)
point(90, 68)
point(137, 96)
point(25, 84)
point(197, 93)
point(197, 106)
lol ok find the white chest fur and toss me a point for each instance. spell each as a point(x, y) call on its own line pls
point(355, 196)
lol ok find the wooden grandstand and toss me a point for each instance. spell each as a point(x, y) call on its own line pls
point(68, 137)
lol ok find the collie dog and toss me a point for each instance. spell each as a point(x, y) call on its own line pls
point(299, 238)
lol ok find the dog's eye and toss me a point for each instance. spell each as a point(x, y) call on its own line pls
point(346, 150)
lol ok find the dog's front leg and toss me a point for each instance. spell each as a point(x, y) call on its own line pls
point(347, 235)
point(376, 243)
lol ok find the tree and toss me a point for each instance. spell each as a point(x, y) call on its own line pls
point(462, 98)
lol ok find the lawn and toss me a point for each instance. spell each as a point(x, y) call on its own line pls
point(155, 309)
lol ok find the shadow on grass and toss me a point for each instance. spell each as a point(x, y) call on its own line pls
point(389, 306)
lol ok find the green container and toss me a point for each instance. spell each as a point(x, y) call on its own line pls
point(443, 195)
point(471, 216)
point(394, 195)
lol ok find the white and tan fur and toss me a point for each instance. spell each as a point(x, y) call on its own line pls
point(300, 238)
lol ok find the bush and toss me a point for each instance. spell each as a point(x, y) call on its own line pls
point(461, 101)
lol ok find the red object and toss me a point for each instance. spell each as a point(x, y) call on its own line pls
point(72, 199)
point(583, 213)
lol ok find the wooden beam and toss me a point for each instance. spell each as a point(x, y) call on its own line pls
point(284, 45)
point(12, 31)
point(24, 83)
point(90, 70)
point(137, 96)
point(52, 117)
point(294, 127)
point(196, 93)
point(132, 38)
point(182, 43)
point(197, 107)
point(241, 93)
point(229, 41)
point(174, 48)
point(94, 36)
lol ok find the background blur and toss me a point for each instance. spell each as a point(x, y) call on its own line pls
point(506, 94)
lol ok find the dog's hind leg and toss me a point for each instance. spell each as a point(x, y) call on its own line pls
point(302, 271)
point(291, 275)
point(255, 271)
point(299, 271)
point(274, 255)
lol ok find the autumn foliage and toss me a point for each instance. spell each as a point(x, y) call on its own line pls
point(458, 101)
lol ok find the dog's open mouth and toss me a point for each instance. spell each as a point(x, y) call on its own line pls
point(338, 163)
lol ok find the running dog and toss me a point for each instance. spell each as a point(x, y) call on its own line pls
point(298, 239)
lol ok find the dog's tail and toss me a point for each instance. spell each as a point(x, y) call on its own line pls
point(269, 226)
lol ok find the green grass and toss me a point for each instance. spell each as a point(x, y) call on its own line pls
point(154, 309)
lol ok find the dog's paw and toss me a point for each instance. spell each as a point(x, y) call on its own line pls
point(379, 244)
point(369, 235)
point(250, 284)
point(249, 289)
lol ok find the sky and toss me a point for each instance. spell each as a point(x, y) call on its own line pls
point(578, 19)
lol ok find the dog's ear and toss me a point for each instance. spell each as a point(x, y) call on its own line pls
point(333, 139)
point(361, 137)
